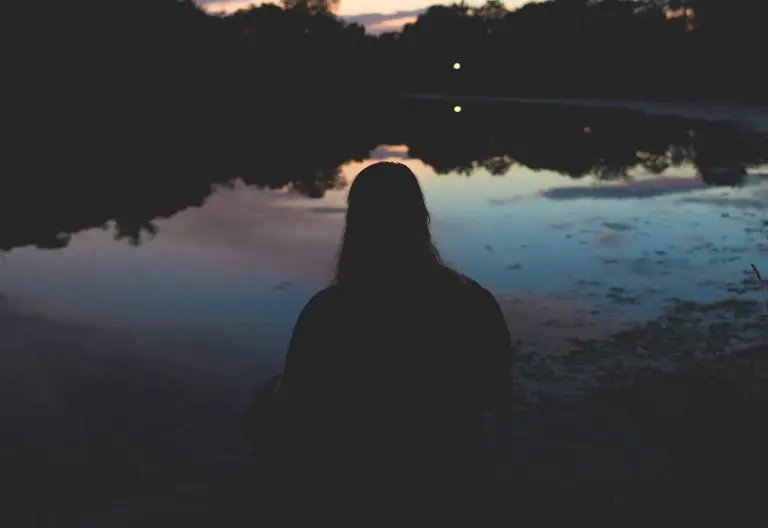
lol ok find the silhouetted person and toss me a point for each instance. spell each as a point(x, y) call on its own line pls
point(391, 372)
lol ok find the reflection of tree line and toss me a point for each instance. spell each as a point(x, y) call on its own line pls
point(41, 207)
point(579, 141)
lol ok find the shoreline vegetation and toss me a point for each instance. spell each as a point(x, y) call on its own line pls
point(689, 441)
point(754, 117)
point(143, 75)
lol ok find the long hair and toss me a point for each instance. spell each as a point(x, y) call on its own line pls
point(387, 233)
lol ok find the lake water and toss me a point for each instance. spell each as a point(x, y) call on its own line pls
point(217, 285)
point(143, 297)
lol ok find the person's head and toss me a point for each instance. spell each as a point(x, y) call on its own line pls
point(387, 229)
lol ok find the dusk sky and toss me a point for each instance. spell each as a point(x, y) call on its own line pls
point(376, 15)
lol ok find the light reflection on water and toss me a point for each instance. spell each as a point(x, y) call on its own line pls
point(235, 272)
point(137, 344)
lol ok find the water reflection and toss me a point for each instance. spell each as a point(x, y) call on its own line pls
point(581, 221)
point(611, 253)
point(605, 144)
point(647, 188)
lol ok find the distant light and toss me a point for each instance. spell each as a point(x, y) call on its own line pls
point(456, 65)
point(457, 109)
point(692, 133)
point(587, 129)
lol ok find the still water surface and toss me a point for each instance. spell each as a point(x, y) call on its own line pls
point(218, 285)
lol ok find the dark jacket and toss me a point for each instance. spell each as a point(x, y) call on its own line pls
point(387, 385)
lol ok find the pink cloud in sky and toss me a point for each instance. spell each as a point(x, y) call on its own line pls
point(377, 16)
point(376, 24)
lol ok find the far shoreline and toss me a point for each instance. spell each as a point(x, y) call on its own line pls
point(753, 116)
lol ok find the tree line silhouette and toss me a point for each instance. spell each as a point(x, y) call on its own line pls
point(691, 50)
point(147, 103)
point(142, 74)
point(40, 208)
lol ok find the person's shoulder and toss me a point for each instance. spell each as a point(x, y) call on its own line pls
point(322, 307)
point(325, 298)
point(474, 289)
point(456, 278)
